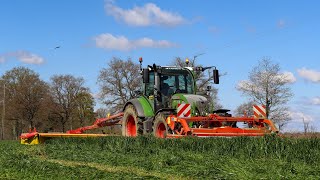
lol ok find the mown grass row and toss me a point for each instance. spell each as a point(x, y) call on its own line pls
point(269, 157)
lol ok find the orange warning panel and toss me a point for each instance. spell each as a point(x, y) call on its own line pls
point(259, 111)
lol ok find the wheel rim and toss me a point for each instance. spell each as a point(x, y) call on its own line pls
point(131, 126)
point(161, 130)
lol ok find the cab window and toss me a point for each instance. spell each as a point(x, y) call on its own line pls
point(150, 86)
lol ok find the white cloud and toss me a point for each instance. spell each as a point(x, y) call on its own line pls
point(289, 77)
point(23, 56)
point(300, 116)
point(281, 24)
point(309, 74)
point(243, 84)
point(149, 14)
point(2, 59)
point(108, 41)
point(315, 101)
point(28, 57)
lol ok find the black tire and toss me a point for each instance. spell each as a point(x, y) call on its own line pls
point(131, 125)
point(160, 127)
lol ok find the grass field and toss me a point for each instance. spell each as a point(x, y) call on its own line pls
point(150, 158)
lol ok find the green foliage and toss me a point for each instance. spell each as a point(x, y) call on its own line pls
point(146, 157)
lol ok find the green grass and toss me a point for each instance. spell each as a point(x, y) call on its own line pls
point(146, 157)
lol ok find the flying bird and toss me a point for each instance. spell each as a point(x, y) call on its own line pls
point(57, 47)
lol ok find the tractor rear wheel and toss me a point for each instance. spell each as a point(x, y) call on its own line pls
point(160, 127)
point(130, 120)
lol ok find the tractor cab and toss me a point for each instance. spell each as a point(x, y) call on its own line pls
point(160, 83)
point(166, 87)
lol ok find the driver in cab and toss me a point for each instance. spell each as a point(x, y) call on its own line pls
point(165, 88)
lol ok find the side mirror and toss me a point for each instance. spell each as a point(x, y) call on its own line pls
point(216, 76)
point(145, 75)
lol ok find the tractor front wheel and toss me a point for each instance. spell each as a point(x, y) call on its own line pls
point(130, 122)
point(160, 127)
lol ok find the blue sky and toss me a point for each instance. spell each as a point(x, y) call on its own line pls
point(234, 35)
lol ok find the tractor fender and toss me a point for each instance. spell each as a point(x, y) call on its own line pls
point(137, 105)
point(166, 111)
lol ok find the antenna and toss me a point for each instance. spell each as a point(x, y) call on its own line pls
point(197, 55)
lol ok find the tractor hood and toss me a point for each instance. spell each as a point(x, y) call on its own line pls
point(192, 98)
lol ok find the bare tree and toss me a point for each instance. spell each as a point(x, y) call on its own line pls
point(308, 127)
point(245, 109)
point(305, 126)
point(66, 90)
point(268, 86)
point(118, 83)
point(102, 113)
point(280, 115)
point(25, 94)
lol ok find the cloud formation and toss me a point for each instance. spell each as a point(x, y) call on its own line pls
point(2, 59)
point(147, 15)
point(281, 24)
point(121, 43)
point(310, 75)
point(289, 77)
point(23, 56)
point(315, 101)
point(300, 116)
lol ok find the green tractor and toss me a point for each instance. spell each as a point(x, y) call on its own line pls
point(169, 106)
point(163, 89)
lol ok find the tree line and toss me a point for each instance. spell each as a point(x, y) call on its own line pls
point(64, 102)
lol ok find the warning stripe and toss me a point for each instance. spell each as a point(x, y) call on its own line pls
point(259, 111)
point(262, 112)
point(188, 114)
point(181, 108)
point(256, 115)
point(184, 110)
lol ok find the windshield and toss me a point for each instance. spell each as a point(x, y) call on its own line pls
point(176, 81)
